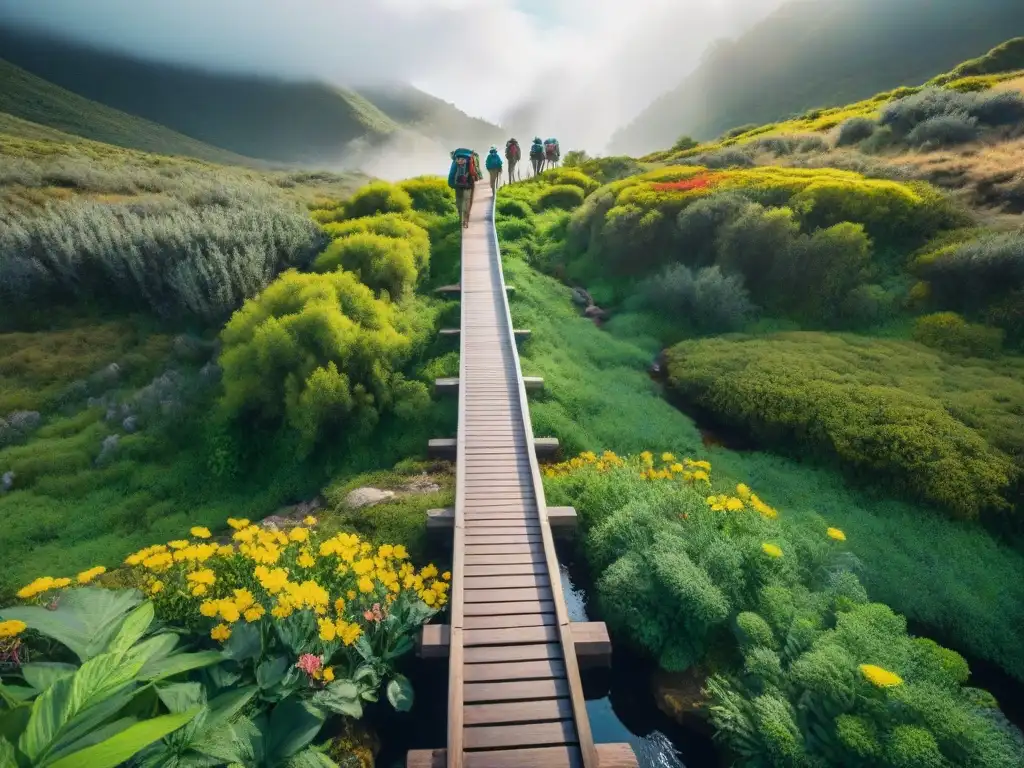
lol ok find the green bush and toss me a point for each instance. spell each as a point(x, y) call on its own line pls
point(390, 225)
point(570, 176)
point(970, 276)
point(706, 302)
point(949, 332)
point(871, 404)
point(378, 197)
point(855, 130)
point(383, 263)
point(515, 229)
point(563, 196)
point(318, 351)
point(514, 208)
point(430, 194)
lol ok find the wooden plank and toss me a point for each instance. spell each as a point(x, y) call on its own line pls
point(483, 537)
point(526, 735)
point(512, 620)
point(483, 654)
point(516, 595)
point(502, 559)
point(505, 549)
point(504, 609)
point(518, 712)
point(506, 582)
point(609, 756)
point(500, 672)
point(506, 569)
point(479, 693)
point(516, 636)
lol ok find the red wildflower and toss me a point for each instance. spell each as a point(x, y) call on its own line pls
point(685, 185)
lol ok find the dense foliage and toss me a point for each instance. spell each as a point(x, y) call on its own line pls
point(809, 671)
point(874, 405)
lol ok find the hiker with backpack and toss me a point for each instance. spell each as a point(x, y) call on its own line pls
point(537, 155)
point(494, 167)
point(462, 177)
point(512, 155)
point(552, 152)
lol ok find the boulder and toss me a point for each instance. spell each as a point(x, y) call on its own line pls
point(367, 497)
point(130, 424)
point(581, 298)
point(107, 448)
point(7, 481)
point(596, 314)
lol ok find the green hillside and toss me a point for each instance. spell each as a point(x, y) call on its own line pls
point(310, 123)
point(820, 53)
point(25, 96)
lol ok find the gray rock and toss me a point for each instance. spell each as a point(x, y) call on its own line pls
point(210, 373)
point(594, 312)
point(7, 481)
point(25, 421)
point(581, 298)
point(367, 497)
point(107, 448)
point(130, 424)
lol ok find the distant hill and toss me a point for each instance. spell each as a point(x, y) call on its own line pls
point(33, 99)
point(306, 123)
point(820, 53)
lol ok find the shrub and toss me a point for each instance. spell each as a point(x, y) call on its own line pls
point(515, 229)
point(574, 158)
point(684, 142)
point(700, 223)
point(944, 131)
point(971, 275)
point(707, 302)
point(318, 350)
point(430, 194)
point(570, 176)
point(873, 405)
point(855, 130)
point(563, 196)
point(749, 243)
point(739, 130)
point(162, 256)
point(378, 197)
point(389, 225)
point(949, 332)
point(514, 208)
point(988, 109)
point(383, 263)
point(727, 157)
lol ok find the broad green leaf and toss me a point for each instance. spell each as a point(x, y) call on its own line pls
point(98, 679)
point(85, 618)
point(86, 722)
point(244, 643)
point(400, 648)
point(181, 662)
point(13, 695)
point(271, 671)
point(364, 649)
point(114, 751)
point(90, 738)
point(340, 697)
point(291, 727)
point(154, 649)
point(310, 758)
point(41, 675)
point(13, 722)
point(7, 754)
point(181, 697)
point(133, 628)
point(226, 706)
point(399, 692)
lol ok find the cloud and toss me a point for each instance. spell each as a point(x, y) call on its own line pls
point(582, 67)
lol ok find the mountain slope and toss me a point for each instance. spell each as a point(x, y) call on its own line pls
point(30, 98)
point(309, 122)
point(820, 53)
point(429, 115)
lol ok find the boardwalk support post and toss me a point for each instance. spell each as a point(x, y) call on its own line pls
point(590, 639)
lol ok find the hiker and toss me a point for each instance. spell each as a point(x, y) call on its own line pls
point(512, 154)
point(494, 167)
point(552, 152)
point(462, 177)
point(537, 155)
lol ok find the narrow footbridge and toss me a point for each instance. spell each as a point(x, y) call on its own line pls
point(515, 697)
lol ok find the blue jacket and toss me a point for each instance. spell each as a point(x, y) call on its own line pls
point(493, 161)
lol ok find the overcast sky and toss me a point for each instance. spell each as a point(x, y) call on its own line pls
point(589, 66)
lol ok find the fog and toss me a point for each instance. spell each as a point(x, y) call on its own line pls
point(576, 69)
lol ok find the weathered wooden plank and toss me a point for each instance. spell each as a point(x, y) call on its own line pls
point(500, 672)
point(479, 693)
point(515, 595)
point(483, 654)
point(506, 582)
point(518, 712)
point(483, 537)
point(505, 609)
point(507, 569)
point(502, 559)
point(512, 620)
point(514, 636)
point(609, 756)
point(526, 735)
point(504, 549)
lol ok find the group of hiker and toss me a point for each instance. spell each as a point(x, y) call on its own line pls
point(465, 169)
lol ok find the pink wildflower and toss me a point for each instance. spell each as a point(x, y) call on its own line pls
point(310, 664)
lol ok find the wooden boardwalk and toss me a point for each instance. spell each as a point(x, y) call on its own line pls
point(514, 696)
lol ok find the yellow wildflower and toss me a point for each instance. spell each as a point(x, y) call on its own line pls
point(362, 567)
point(351, 594)
point(200, 532)
point(243, 599)
point(328, 671)
point(667, 457)
point(298, 534)
point(204, 576)
point(198, 590)
point(86, 576)
point(401, 553)
point(700, 474)
point(447, 575)
point(328, 631)
point(209, 608)
point(254, 614)
point(733, 505)
point(61, 583)
point(225, 550)
point(306, 560)
point(428, 596)
point(339, 605)
point(221, 632)
point(385, 550)
point(228, 611)
point(156, 587)
point(677, 467)
point(879, 677)
point(42, 584)
point(248, 533)
point(309, 520)
point(12, 628)
point(835, 533)
point(365, 584)
point(271, 580)
point(348, 633)
point(282, 610)
point(161, 561)
point(743, 491)
point(429, 572)
point(238, 523)
point(178, 544)
point(771, 550)
point(647, 457)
